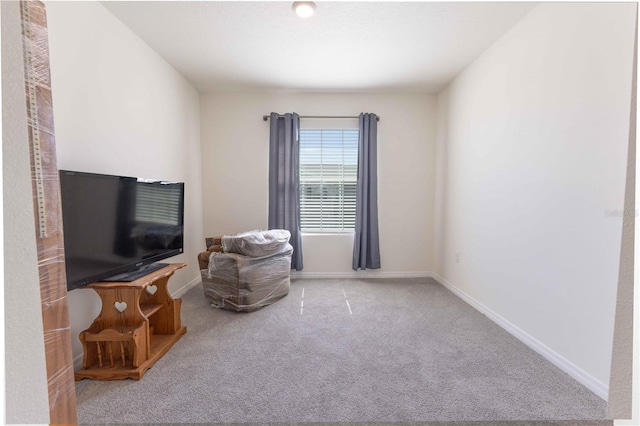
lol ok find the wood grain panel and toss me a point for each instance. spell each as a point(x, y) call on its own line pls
point(48, 216)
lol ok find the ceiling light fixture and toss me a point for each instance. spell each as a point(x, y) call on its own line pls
point(304, 9)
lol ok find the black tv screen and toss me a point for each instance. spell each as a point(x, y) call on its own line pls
point(116, 227)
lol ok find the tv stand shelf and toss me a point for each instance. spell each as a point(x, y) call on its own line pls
point(148, 310)
point(138, 323)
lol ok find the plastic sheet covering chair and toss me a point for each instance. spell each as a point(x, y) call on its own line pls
point(253, 270)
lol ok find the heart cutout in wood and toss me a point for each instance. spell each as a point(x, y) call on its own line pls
point(120, 306)
point(151, 289)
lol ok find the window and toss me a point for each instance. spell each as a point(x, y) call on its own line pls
point(328, 175)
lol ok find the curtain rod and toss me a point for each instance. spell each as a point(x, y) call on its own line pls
point(266, 117)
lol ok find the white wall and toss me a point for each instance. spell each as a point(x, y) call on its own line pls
point(27, 396)
point(121, 109)
point(532, 149)
point(235, 153)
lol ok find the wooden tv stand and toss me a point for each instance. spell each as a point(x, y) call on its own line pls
point(138, 324)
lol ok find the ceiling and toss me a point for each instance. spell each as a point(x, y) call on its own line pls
point(345, 46)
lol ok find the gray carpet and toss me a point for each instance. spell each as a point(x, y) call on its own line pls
point(403, 350)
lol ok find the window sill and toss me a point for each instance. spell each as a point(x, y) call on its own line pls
point(334, 234)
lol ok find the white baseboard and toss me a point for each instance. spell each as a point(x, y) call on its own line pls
point(360, 274)
point(586, 379)
point(188, 286)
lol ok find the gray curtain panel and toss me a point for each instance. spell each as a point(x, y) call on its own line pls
point(366, 244)
point(284, 181)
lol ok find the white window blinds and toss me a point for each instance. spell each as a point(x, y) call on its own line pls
point(158, 203)
point(328, 175)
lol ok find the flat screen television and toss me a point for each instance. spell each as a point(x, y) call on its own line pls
point(116, 227)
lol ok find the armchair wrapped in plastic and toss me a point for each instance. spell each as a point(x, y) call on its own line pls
point(252, 271)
